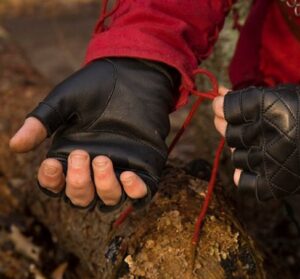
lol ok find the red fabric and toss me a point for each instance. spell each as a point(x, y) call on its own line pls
point(280, 51)
point(267, 53)
point(182, 34)
point(178, 33)
point(244, 68)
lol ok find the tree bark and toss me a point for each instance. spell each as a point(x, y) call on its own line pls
point(153, 243)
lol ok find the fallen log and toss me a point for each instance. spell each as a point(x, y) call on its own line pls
point(153, 243)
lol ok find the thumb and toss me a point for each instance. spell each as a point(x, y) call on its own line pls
point(29, 136)
point(223, 90)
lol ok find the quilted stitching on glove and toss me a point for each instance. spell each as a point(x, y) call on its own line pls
point(263, 126)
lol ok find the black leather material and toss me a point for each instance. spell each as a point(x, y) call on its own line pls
point(116, 107)
point(263, 126)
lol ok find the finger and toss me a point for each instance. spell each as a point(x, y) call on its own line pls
point(218, 106)
point(221, 125)
point(107, 185)
point(255, 186)
point(223, 90)
point(236, 176)
point(51, 176)
point(79, 187)
point(29, 136)
point(243, 136)
point(247, 160)
point(243, 105)
point(247, 182)
point(134, 186)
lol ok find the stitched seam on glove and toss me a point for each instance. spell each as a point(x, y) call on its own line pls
point(56, 111)
point(242, 137)
point(225, 110)
point(110, 94)
point(279, 169)
point(281, 165)
point(264, 145)
point(248, 164)
point(242, 91)
point(132, 138)
point(284, 103)
point(241, 107)
point(279, 188)
point(280, 132)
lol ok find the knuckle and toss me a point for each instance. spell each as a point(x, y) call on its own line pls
point(105, 178)
point(109, 194)
point(104, 188)
point(78, 183)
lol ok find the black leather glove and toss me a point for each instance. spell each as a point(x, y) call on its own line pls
point(263, 126)
point(115, 107)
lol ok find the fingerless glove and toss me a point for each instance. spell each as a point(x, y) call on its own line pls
point(115, 107)
point(263, 127)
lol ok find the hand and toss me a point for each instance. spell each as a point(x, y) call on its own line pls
point(262, 125)
point(111, 120)
point(221, 123)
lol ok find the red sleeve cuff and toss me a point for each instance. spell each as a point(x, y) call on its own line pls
point(179, 34)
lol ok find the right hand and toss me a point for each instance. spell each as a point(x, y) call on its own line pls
point(262, 125)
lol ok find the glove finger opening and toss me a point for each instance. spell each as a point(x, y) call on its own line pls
point(247, 160)
point(243, 136)
point(50, 118)
point(242, 106)
point(256, 186)
point(248, 184)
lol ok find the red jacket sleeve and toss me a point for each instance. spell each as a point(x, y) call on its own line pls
point(178, 33)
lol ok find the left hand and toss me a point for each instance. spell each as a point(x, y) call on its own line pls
point(110, 120)
point(262, 125)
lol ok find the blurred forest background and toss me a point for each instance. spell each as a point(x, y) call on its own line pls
point(54, 34)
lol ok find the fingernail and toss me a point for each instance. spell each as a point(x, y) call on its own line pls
point(78, 161)
point(50, 170)
point(101, 164)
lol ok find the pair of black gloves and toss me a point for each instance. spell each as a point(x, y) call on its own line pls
point(120, 107)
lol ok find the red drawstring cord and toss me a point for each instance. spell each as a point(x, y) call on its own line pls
point(103, 15)
point(124, 214)
point(204, 208)
point(201, 96)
